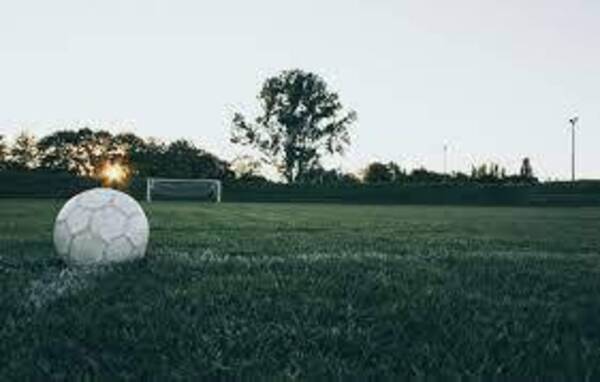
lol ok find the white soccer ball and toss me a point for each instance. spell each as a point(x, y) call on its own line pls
point(101, 226)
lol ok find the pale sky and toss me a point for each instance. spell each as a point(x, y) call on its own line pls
point(495, 80)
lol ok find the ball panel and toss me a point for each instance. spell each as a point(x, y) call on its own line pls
point(127, 204)
point(78, 220)
point(62, 238)
point(86, 249)
point(137, 230)
point(139, 252)
point(67, 209)
point(96, 198)
point(108, 223)
point(119, 250)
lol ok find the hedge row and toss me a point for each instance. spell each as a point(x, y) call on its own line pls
point(39, 184)
point(42, 184)
point(465, 194)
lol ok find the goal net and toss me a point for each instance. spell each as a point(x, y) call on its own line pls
point(183, 189)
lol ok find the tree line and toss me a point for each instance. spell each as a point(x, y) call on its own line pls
point(301, 121)
point(491, 173)
point(83, 152)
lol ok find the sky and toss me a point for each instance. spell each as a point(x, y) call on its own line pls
point(493, 80)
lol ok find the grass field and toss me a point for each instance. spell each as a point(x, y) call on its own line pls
point(304, 290)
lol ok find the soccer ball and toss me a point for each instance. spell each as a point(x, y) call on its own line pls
point(101, 226)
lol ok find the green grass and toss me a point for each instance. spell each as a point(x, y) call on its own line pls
point(308, 290)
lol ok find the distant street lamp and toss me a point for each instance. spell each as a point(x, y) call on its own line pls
point(445, 158)
point(573, 121)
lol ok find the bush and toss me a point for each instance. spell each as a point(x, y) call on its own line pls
point(42, 184)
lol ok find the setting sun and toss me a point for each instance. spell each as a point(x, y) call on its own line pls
point(113, 173)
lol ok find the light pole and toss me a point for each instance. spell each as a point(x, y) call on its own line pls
point(445, 158)
point(573, 121)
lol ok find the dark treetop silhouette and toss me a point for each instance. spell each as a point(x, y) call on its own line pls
point(301, 121)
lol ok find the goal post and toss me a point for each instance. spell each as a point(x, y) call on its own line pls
point(183, 189)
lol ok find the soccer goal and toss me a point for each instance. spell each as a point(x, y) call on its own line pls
point(183, 189)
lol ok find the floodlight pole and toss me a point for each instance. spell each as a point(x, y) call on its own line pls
point(445, 158)
point(573, 122)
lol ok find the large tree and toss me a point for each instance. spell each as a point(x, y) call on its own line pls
point(57, 151)
point(82, 152)
point(24, 152)
point(301, 121)
point(92, 149)
point(180, 159)
point(245, 167)
point(149, 159)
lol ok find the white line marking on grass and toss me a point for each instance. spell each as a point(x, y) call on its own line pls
point(208, 256)
point(55, 285)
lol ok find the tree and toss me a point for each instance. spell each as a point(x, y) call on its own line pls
point(56, 151)
point(92, 150)
point(182, 159)
point(3, 153)
point(148, 158)
point(301, 121)
point(322, 176)
point(491, 173)
point(398, 174)
point(126, 145)
point(526, 171)
point(82, 152)
point(127, 149)
point(422, 175)
point(377, 172)
point(245, 167)
point(24, 153)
